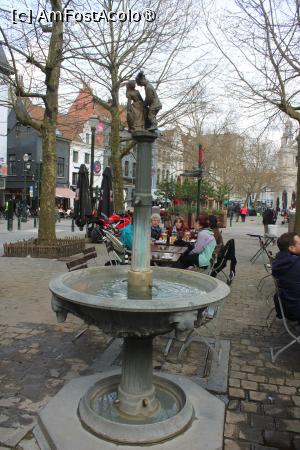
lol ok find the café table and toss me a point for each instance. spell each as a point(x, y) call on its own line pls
point(157, 247)
point(165, 255)
point(264, 242)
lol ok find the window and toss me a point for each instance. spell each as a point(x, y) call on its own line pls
point(133, 170)
point(163, 174)
point(12, 164)
point(87, 138)
point(74, 178)
point(126, 168)
point(86, 158)
point(158, 176)
point(18, 129)
point(60, 167)
point(75, 156)
point(167, 175)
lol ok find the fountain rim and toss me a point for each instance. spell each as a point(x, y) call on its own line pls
point(218, 292)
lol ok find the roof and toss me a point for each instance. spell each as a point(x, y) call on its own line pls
point(71, 125)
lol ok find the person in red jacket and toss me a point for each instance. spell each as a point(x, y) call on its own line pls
point(244, 212)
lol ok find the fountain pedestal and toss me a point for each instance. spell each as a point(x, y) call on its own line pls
point(136, 392)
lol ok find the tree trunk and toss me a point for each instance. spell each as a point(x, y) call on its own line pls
point(297, 218)
point(116, 160)
point(46, 231)
point(47, 212)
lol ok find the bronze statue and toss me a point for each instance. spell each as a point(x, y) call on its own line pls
point(135, 107)
point(151, 102)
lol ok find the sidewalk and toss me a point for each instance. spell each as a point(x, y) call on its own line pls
point(37, 356)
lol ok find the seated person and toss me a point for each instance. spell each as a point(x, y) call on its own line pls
point(179, 228)
point(156, 230)
point(213, 224)
point(204, 246)
point(126, 234)
point(286, 270)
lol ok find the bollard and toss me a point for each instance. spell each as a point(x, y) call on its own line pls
point(73, 225)
point(19, 223)
point(34, 222)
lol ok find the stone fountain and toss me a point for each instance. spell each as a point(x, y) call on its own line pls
point(133, 407)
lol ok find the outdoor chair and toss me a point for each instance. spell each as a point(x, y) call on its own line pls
point(292, 328)
point(226, 254)
point(268, 268)
point(204, 318)
point(117, 252)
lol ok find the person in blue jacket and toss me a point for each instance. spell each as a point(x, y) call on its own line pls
point(286, 270)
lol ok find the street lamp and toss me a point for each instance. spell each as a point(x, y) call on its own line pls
point(200, 163)
point(26, 167)
point(92, 122)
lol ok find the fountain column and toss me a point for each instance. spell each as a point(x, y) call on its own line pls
point(140, 275)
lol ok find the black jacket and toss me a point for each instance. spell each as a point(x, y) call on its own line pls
point(286, 270)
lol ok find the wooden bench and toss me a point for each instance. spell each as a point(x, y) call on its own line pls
point(80, 262)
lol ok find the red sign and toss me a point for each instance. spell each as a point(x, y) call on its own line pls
point(201, 154)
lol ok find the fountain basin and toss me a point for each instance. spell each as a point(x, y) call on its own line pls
point(99, 296)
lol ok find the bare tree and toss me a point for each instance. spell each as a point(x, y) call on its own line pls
point(112, 53)
point(261, 43)
point(35, 51)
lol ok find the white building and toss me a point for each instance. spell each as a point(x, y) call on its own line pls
point(287, 164)
point(5, 70)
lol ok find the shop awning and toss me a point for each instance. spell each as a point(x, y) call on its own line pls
point(64, 193)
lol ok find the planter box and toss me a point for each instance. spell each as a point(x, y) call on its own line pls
point(61, 248)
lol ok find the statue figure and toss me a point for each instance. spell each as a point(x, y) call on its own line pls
point(151, 102)
point(135, 107)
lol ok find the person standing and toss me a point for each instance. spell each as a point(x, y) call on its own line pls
point(230, 214)
point(268, 218)
point(244, 212)
point(237, 211)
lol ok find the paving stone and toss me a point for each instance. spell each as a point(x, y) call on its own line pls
point(253, 349)
point(269, 387)
point(234, 445)
point(296, 442)
point(258, 396)
point(252, 407)
point(296, 400)
point(3, 418)
point(289, 425)
point(262, 422)
point(279, 381)
point(255, 377)
point(247, 368)
point(11, 436)
point(236, 393)
point(275, 410)
point(278, 439)
point(233, 405)
point(287, 390)
point(251, 385)
point(8, 402)
point(240, 375)
point(234, 382)
point(230, 430)
point(291, 382)
point(235, 417)
point(295, 412)
point(28, 444)
point(251, 434)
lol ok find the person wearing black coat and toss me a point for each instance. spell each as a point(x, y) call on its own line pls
point(269, 218)
point(286, 270)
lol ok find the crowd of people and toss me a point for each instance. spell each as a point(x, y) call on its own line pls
point(202, 240)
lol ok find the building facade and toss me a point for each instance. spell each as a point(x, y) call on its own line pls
point(25, 172)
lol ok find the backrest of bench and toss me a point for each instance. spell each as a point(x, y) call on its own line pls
point(79, 263)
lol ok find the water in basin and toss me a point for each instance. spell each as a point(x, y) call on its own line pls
point(117, 288)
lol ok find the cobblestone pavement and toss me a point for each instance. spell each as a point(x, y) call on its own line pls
point(37, 355)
